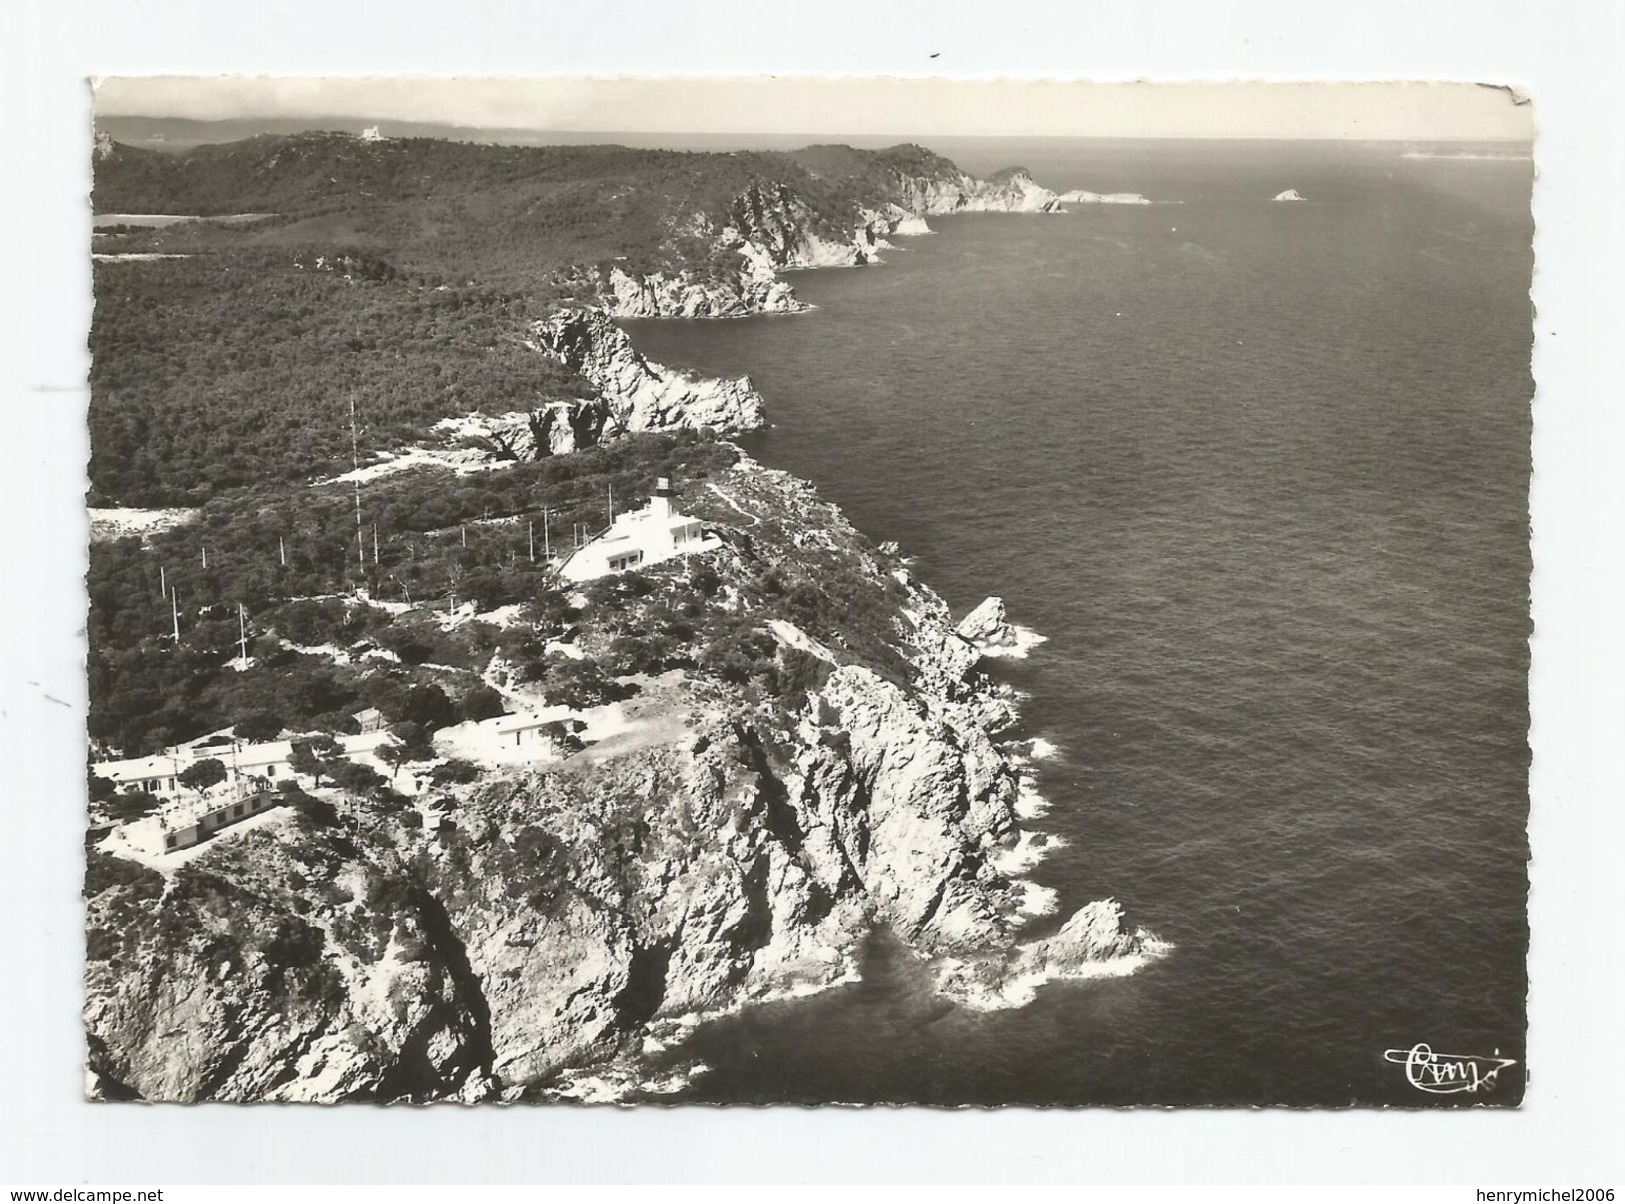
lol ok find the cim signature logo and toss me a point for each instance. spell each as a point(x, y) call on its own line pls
point(1447, 1074)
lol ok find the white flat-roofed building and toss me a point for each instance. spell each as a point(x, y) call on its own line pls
point(530, 727)
point(181, 826)
point(159, 774)
point(655, 533)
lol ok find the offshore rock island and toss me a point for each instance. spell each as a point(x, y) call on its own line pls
point(388, 800)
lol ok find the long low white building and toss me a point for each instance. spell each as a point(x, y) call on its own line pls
point(159, 774)
point(648, 535)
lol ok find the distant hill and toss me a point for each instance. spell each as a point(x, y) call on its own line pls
point(505, 215)
point(405, 273)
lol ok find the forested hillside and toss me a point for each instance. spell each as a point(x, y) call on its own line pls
point(509, 216)
point(585, 803)
point(403, 277)
point(291, 560)
point(398, 274)
point(229, 368)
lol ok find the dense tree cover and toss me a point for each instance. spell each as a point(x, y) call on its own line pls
point(401, 274)
point(404, 275)
point(504, 215)
point(217, 372)
point(258, 725)
point(438, 535)
point(147, 691)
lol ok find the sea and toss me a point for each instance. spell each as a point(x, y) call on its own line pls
point(1258, 472)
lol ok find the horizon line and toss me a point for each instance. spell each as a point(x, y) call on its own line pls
point(825, 135)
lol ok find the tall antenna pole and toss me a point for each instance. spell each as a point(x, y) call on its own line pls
point(533, 541)
point(547, 539)
point(612, 505)
point(282, 551)
point(175, 613)
point(242, 632)
point(205, 556)
point(465, 536)
point(375, 543)
point(355, 463)
point(163, 583)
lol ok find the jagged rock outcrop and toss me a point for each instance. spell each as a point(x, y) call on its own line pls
point(1094, 934)
point(783, 231)
point(278, 971)
point(987, 625)
point(561, 913)
point(913, 797)
point(661, 884)
point(641, 395)
point(770, 229)
point(554, 428)
point(1094, 941)
point(754, 289)
point(1012, 191)
point(1082, 196)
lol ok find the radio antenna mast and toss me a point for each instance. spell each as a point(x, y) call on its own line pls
point(355, 463)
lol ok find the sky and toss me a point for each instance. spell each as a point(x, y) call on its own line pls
point(807, 105)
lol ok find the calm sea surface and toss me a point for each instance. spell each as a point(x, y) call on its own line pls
point(1259, 472)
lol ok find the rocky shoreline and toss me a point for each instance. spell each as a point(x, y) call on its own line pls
point(573, 914)
point(1003, 971)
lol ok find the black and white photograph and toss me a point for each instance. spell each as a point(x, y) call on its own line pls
point(669, 591)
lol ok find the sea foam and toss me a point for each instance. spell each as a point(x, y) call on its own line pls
point(1030, 848)
point(1021, 989)
point(1026, 640)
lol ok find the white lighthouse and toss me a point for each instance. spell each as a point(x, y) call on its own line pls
point(660, 501)
point(649, 535)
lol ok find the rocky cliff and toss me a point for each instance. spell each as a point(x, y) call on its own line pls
point(1011, 191)
point(634, 394)
point(557, 914)
point(1082, 196)
point(771, 229)
point(830, 761)
point(641, 395)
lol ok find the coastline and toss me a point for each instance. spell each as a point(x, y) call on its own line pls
point(998, 978)
point(891, 796)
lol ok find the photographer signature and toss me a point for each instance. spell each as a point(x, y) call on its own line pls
point(1447, 1074)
